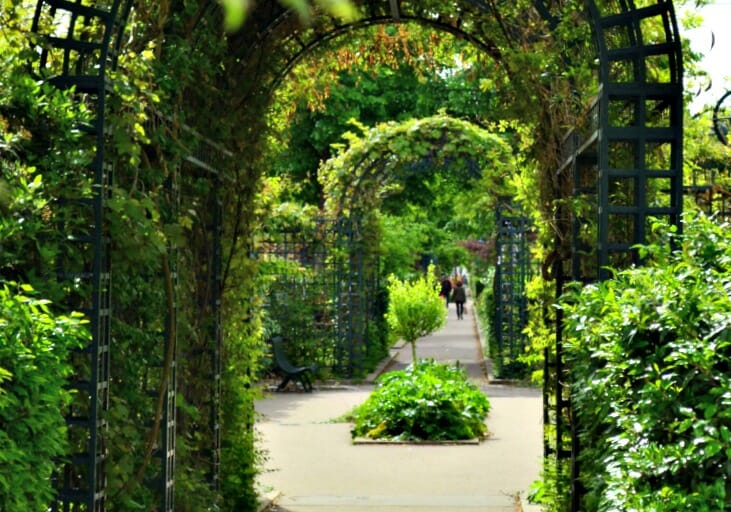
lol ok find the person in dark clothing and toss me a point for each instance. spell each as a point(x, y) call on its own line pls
point(446, 289)
point(459, 296)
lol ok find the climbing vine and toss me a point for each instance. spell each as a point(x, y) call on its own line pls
point(373, 165)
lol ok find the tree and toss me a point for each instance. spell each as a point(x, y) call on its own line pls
point(415, 309)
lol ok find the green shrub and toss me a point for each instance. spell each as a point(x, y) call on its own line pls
point(429, 401)
point(650, 355)
point(415, 309)
point(34, 349)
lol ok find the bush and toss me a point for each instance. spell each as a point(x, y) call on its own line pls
point(429, 401)
point(34, 348)
point(650, 353)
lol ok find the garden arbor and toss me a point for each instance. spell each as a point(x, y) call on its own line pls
point(358, 178)
point(330, 266)
point(619, 166)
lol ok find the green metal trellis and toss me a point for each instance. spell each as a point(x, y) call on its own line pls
point(622, 168)
point(511, 276)
point(320, 296)
point(78, 56)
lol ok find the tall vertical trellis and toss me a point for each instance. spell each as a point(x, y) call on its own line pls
point(79, 45)
point(82, 46)
point(511, 276)
point(623, 168)
point(321, 291)
point(626, 167)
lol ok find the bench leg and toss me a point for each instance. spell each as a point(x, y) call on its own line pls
point(306, 382)
point(284, 383)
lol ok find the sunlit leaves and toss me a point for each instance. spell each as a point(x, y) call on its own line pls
point(415, 308)
point(390, 150)
point(650, 353)
point(34, 351)
point(431, 401)
point(235, 10)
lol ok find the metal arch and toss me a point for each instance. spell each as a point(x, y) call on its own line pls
point(296, 58)
point(298, 42)
point(376, 170)
point(721, 119)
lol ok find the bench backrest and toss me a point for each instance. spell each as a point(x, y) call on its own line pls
point(280, 357)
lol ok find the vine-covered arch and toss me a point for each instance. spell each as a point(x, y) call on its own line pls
point(625, 161)
point(357, 179)
point(286, 42)
point(378, 163)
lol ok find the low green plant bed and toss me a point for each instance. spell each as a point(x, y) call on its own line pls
point(429, 402)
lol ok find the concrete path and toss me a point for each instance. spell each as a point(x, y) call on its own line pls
point(312, 465)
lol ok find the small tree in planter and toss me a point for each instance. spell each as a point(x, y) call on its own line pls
point(415, 309)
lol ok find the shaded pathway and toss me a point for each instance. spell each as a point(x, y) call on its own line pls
point(313, 467)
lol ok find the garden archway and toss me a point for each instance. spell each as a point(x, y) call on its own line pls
point(358, 179)
point(624, 161)
point(338, 253)
point(355, 179)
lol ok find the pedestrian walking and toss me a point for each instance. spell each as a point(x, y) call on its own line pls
point(459, 296)
point(446, 289)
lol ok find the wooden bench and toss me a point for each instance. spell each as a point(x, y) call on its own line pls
point(301, 374)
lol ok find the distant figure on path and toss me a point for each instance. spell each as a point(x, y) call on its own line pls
point(459, 296)
point(446, 289)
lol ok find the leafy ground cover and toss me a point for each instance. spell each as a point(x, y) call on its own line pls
point(430, 401)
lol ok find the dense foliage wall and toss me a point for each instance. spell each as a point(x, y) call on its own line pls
point(650, 352)
point(35, 348)
point(159, 218)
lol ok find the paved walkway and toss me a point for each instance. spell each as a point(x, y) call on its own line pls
point(312, 465)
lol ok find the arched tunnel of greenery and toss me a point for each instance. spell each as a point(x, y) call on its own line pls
point(440, 169)
point(148, 155)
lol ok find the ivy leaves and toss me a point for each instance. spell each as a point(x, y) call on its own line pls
point(34, 348)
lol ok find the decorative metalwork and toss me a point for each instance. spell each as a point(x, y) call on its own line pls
point(721, 118)
point(165, 452)
point(511, 277)
point(286, 42)
point(708, 184)
point(624, 167)
point(321, 296)
point(76, 54)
